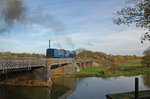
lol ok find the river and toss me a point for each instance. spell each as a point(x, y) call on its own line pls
point(76, 88)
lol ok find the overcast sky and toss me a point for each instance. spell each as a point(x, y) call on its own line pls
point(72, 24)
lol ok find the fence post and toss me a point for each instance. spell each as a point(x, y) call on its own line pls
point(29, 66)
point(1, 64)
point(4, 65)
point(136, 87)
point(17, 62)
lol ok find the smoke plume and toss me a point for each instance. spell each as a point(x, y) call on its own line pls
point(15, 12)
point(11, 11)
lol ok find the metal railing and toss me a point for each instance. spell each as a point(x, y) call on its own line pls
point(10, 63)
point(20, 63)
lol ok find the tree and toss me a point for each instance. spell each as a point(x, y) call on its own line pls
point(137, 12)
point(115, 60)
point(120, 58)
point(88, 54)
point(77, 51)
point(146, 58)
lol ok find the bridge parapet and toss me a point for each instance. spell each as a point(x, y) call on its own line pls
point(60, 61)
point(6, 64)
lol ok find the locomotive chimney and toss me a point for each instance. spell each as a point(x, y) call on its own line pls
point(49, 43)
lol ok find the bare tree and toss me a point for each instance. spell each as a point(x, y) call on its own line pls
point(136, 12)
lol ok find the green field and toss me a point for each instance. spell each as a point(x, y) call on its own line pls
point(128, 68)
point(130, 64)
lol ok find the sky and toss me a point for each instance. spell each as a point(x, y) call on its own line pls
point(72, 24)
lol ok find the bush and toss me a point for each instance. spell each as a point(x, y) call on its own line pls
point(105, 62)
point(146, 58)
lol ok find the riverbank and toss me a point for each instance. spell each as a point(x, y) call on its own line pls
point(128, 68)
point(103, 71)
point(130, 64)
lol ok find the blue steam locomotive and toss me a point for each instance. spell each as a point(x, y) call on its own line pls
point(55, 53)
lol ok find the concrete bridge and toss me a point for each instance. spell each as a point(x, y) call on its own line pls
point(36, 72)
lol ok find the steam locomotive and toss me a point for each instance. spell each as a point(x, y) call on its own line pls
point(55, 53)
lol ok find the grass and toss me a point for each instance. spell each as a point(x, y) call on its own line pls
point(129, 68)
point(130, 64)
point(128, 73)
point(91, 71)
point(104, 72)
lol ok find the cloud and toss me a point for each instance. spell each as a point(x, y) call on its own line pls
point(8, 40)
point(122, 42)
point(41, 33)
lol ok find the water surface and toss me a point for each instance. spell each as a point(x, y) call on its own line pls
point(76, 88)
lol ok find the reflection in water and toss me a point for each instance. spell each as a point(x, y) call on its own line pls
point(75, 88)
point(67, 82)
point(146, 80)
point(69, 85)
point(97, 87)
point(60, 89)
point(19, 92)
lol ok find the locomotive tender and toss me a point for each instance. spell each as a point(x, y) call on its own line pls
point(55, 53)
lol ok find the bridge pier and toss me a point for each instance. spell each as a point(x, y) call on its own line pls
point(79, 64)
point(36, 77)
point(68, 68)
point(84, 64)
point(89, 64)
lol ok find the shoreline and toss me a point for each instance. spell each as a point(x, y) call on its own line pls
point(102, 71)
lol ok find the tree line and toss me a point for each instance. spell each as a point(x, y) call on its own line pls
point(105, 59)
point(21, 55)
point(87, 54)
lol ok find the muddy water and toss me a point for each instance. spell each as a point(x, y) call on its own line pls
point(76, 88)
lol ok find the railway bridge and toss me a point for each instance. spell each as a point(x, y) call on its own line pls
point(37, 72)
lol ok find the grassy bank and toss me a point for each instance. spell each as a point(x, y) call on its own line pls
point(130, 64)
point(128, 68)
point(104, 71)
point(91, 71)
